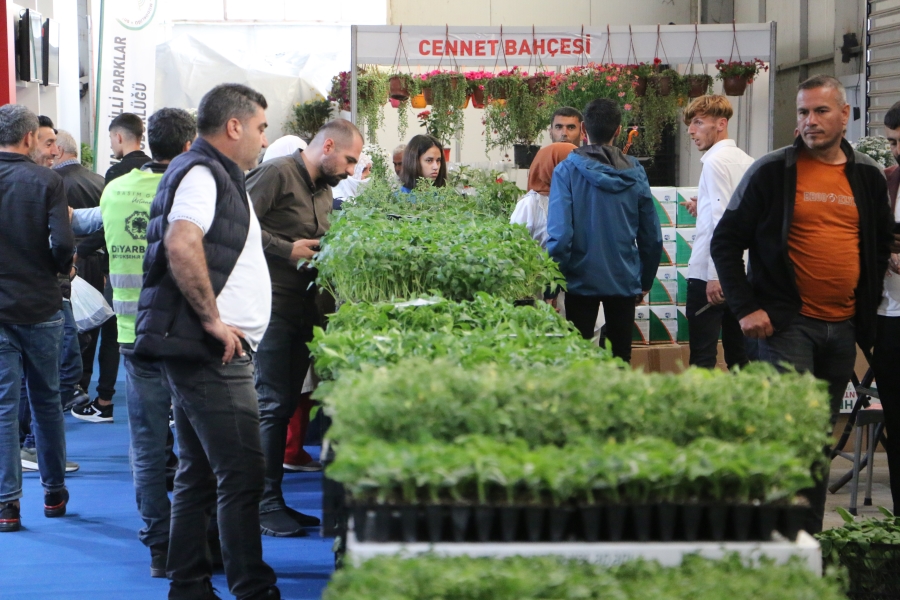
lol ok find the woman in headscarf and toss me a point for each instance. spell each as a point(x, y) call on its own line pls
point(531, 210)
point(284, 146)
point(349, 188)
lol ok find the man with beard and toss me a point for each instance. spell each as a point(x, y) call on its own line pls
point(292, 197)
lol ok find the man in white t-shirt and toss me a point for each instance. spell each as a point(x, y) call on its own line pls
point(203, 309)
point(723, 166)
point(886, 355)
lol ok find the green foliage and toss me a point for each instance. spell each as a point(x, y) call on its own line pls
point(308, 118)
point(655, 113)
point(413, 87)
point(432, 577)
point(372, 92)
point(87, 156)
point(846, 544)
point(877, 148)
point(449, 94)
point(578, 86)
point(602, 400)
point(521, 119)
point(382, 165)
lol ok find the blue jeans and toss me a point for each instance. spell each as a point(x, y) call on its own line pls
point(69, 374)
point(148, 422)
point(34, 348)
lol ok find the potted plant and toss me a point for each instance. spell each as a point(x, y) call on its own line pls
point(404, 89)
point(736, 75)
point(307, 118)
point(438, 128)
point(475, 81)
point(504, 84)
point(694, 85)
point(371, 96)
point(665, 81)
point(340, 90)
point(642, 73)
point(579, 85)
point(448, 95)
point(520, 121)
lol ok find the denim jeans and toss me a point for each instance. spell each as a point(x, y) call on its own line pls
point(282, 361)
point(704, 330)
point(148, 423)
point(69, 375)
point(34, 348)
point(220, 464)
point(828, 351)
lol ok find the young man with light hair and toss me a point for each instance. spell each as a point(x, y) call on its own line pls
point(723, 166)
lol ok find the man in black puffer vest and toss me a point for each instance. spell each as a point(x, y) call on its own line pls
point(203, 309)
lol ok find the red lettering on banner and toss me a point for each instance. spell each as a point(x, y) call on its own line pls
point(450, 47)
point(550, 43)
point(493, 45)
point(524, 48)
point(564, 46)
point(589, 44)
point(465, 48)
point(422, 45)
point(577, 45)
point(510, 47)
point(438, 46)
point(538, 47)
point(479, 48)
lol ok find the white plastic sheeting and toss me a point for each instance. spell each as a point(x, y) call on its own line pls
point(286, 63)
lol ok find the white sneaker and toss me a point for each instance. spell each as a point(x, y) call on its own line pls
point(30, 465)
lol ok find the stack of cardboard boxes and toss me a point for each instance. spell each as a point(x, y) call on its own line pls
point(661, 319)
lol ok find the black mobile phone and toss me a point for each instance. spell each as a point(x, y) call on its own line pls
point(896, 228)
point(315, 248)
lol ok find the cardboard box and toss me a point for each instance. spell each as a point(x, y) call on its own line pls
point(683, 335)
point(684, 245)
point(666, 206)
point(681, 298)
point(669, 358)
point(682, 217)
point(665, 286)
point(640, 333)
point(670, 247)
point(663, 324)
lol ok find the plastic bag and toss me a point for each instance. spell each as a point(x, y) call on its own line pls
point(89, 306)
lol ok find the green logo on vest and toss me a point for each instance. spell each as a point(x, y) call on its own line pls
point(136, 225)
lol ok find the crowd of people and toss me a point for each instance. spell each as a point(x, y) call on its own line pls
point(205, 254)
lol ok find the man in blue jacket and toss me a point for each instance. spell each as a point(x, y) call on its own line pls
point(603, 229)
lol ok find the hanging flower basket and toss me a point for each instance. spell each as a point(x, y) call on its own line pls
point(735, 85)
point(429, 95)
point(640, 87)
point(475, 82)
point(523, 155)
point(399, 87)
point(418, 101)
point(466, 103)
point(478, 97)
point(537, 83)
point(663, 84)
point(394, 102)
point(697, 85)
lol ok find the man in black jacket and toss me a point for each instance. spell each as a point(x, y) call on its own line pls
point(125, 134)
point(816, 220)
point(35, 244)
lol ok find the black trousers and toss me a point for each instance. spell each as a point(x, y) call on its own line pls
point(704, 330)
point(885, 364)
point(220, 465)
point(92, 269)
point(618, 312)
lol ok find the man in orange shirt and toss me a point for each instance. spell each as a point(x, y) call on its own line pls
point(816, 220)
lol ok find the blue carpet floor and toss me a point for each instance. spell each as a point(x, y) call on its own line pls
point(93, 552)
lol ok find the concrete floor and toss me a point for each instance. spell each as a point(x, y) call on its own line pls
point(881, 491)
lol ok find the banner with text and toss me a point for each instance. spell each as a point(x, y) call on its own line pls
point(126, 71)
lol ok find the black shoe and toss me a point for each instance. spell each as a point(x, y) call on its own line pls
point(79, 398)
point(55, 503)
point(10, 520)
point(177, 590)
point(159, 554)
point(303, 520)
point(278, 523)
point(94, 413)
point(273, 593)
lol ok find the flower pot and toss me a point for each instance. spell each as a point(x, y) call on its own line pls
point(399, 89)
point(394, 102)
point(534, 523)
point(459, 516)
point(484, 523)
point(615, 522)
point(641, 516)
point(537, 83)
point(735, 85)
point(434, 522)
point(690, 522)
point(741, 522)
point(698, 85)
point(524, 155)
point(716, 520)
point(429, 95)
point(766, 521)
point(590, 523)
point(465, 104)
point(382, 523)
point(363, 526)
point(409, 523)
point(478, 97)
point(509, 523)
point(560, 516)
point(666, 516)
point(792, 521)
point(446, 155)
point(663, 85)
point(418, 101)
point(640, 87)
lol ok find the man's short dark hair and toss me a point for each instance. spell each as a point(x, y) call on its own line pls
point(567, 111)
point(129, 124)
point(892, 117)
point(168, 130)
point(15, 123)
point(225, 102)
point(601, 119)
point(342, 131)
point(46, 122)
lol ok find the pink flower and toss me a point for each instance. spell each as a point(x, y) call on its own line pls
point(621, 94)
point(627, 106)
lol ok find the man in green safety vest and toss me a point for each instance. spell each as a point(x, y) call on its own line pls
point(125, 208)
